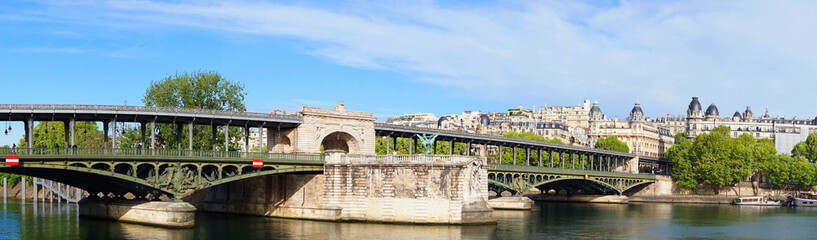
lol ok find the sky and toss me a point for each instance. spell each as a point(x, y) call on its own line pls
point(397, 57)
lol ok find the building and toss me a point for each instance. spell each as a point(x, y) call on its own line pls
point(644, 136)
point(784, 132)
point(573, 116)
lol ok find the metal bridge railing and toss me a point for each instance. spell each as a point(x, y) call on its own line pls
point(156, 152)
point(284, 115)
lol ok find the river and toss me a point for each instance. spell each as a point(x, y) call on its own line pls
point(546, 221)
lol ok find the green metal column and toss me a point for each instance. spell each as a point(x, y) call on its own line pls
point(527, 156)
point(388, 145)
point(227, 138)
point(514, 155)
point(551, 157)
point(411, 145)
point(213, 135)
point(190, 136)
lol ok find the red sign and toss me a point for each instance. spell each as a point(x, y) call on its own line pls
point(257, 163)
point(12, 160)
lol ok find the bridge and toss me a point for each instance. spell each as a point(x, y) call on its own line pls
point(294, 141)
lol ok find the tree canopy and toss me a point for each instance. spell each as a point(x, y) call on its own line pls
point(613, 144)
point(199, 89)
point(807, 149)
point(718, 160)
point(532, 136)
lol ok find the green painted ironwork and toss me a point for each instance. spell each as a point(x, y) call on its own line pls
point(519, 179)
point(428, 142)
point(176, 173)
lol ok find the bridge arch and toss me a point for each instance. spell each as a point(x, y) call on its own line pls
point(341, 141)
point(175, 180)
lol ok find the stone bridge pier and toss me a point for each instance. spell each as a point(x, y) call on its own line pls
point(397, 189)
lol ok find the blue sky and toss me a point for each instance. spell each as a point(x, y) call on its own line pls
point(398, 57)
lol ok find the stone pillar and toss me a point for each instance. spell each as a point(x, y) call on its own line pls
point(484, 150)
point(572, 161)
point(451, 147)
point(468, 149)
point(388, 145)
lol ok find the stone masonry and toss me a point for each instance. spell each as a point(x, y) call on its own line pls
point(428, 192)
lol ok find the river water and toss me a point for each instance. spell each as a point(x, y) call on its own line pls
point(546, 221)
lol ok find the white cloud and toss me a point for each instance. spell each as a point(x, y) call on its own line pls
point(734, 53)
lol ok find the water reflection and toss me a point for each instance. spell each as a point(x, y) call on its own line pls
point(546, 220)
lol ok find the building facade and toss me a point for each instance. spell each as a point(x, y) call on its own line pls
point(785, 133)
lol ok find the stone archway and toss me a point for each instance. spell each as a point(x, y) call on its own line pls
point(355, 129)
point(341, 141)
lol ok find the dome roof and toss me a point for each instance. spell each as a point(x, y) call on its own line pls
point(737, 114)
point(748, 110)
point(595, 108)
point(636, 108)
point(694, 105)
point(485, 120)
point(712, 110)
point(441, 119)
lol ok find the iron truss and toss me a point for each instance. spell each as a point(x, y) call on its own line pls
point(518, 179)
point(175, 173)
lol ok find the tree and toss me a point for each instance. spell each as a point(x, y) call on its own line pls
point(521, 158)
point(807, 149)
point(613, 144)
point(52, 134)
point(682, 169)
point(199, 89)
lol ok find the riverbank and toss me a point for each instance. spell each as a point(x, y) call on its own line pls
point(683, 199)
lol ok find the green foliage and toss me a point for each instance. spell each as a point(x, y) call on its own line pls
point(532, 136)
point(682, 170)
point(264, 149)
point(199, 89)
point(52, 134)
point(613, 144)
point(14, 178)
point(807, 149)
point(718, 160)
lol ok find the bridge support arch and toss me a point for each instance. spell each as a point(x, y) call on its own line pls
point(338, 128)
